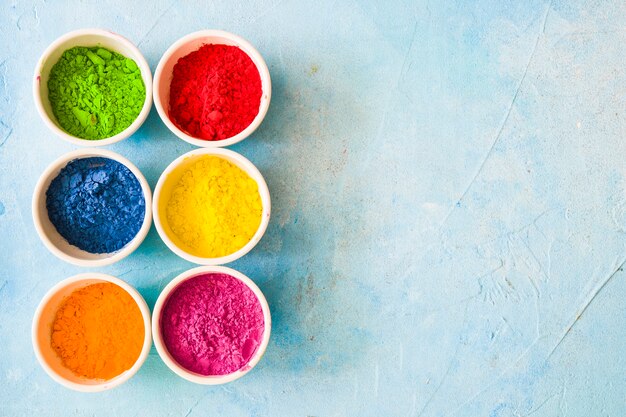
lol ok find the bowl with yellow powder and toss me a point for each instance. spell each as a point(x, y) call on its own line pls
point(92, 87)
point(91, 332)
point(211, 206)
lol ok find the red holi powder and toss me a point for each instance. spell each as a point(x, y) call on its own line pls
point(215, 92)
point(212, 324)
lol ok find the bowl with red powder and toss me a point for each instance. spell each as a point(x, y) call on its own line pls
point(212, 88)
point(211, 325)
point(91, 332)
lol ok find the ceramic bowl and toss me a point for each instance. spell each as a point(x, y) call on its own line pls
point(191, 43)
point(42, 330)
point(167, 357)
point(57, 243)
point(88, 38)
point(171, 176)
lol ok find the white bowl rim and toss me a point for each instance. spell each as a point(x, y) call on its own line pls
point(250, 169)
point(162, 349)
point(146, 75)
point(58, 164)
point(259, 62)
point(123, 377)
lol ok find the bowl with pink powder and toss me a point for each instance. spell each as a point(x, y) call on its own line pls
point(211, 325)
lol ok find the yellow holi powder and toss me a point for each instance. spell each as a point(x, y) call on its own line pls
point(215, 208)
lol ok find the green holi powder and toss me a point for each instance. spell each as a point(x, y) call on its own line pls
point(95, 93)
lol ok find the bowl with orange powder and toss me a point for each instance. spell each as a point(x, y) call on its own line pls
point(212, 88)
point(91, 332)
point(211, 206)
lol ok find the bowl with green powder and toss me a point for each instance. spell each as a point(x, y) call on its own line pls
point(211, 206)
point(93, 87)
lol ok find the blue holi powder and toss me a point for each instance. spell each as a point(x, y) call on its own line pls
point(96, 204)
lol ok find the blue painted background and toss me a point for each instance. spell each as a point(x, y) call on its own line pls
point(449, 208)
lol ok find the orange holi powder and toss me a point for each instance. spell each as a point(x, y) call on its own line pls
point(98, 331)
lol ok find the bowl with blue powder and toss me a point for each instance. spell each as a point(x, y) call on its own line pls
point(91, 207)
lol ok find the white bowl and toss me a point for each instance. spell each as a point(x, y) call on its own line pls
point(56, 243)
point(162, 193)
point(191, 43)
point(88, 38)
point(162, 349)
point(42, 330)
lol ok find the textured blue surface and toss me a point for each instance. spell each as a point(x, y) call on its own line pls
point(449, 195)
point(96, 204)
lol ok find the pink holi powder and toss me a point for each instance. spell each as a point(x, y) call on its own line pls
point(212, 324)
